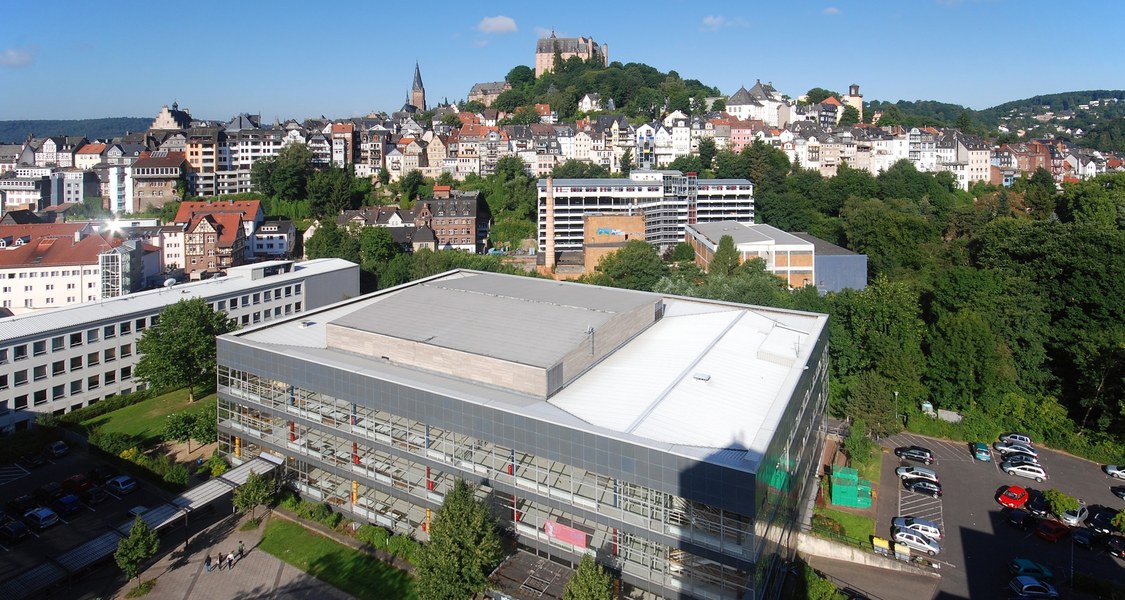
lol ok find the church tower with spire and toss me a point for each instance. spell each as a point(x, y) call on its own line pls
point(418, 91)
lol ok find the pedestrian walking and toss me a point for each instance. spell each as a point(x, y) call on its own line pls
point(207, 563)
point(219, 559)
point(241, 550)
point(230, 560)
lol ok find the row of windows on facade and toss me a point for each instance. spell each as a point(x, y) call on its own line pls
point(59, 367)
point(30, 302)
point(47, 287)
point(58, 392)
point(59, 343)
point(34, 274)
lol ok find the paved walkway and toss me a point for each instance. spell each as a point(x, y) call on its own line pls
point(257, 575)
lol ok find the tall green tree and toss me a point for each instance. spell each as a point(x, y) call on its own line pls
point(579, 169)
point(463, 549)
point(850, 116)
point(257, 490)
point(627, 162)
point(725, 260)
point(140, 545)
point(410, 184)
point(332, 191)
point(706, 152)
point(291, 171)
point(179, 427)
point(589, 582)
point(376, 245)
point(179, 350)
point(636, 266)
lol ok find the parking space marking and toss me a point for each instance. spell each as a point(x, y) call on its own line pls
point(4, 548)
point(11, 473)
point(112, 494)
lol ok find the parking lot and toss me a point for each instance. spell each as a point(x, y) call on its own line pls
point(978, 542)
point(71, 530)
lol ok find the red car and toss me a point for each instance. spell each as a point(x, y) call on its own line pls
point(1012, 496)
point(1052, 531)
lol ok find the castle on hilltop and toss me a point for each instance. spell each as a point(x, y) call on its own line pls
point(582, 47)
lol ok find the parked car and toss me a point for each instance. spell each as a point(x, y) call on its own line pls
point(1052, 531)
point(1035, 472)
point(1012, 496)
point(1026, 586)
point(58, 449)
point(916, 473)
point(916, 541)
point(1009, 447)
point(1037, 504)
point(76, 484)
point(980, 451)
point(1024, 566)
point(922, 526)
point(94, 495)
point(923, 486)
point(915, 453)
point(40, 518)
point(13, 531)
point(1076, 516)
point(1101, 520)
point(1021, 519)
point(1016, 438)
point(48, 492)
point(1119, 491)
point(122, 484)
point(67, 505)
point(100, 475)
point(1019, 458)
point(1117, 471)
point(18, 506)
point(1116, 547)
point(1087, 538)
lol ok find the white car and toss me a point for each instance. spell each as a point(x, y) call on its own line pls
point(1075, 517)
point(922, 526)
point(916, 541)
point(1010, 447)
point(917, 473)
point(1117, 471)
point(1035, 472)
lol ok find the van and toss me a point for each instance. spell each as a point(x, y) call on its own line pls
point(1035, 472)
point(922, 526)
point(917, 473)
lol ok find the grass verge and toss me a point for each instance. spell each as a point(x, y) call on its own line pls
point(250, 524)
point(142, 589)
point(350, 570)
point(855, 526)
point(145, 420)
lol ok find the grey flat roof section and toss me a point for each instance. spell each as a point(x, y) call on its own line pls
point(517, 319)
point(746, 234)
point(822, 247)
point(117, 308)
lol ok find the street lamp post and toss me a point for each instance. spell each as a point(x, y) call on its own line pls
point(898, 415)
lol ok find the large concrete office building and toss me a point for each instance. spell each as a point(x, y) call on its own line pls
point(61, 360)
point(669, 200)
point(675, 440)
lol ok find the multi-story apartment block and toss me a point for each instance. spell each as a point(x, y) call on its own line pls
point(26, 188)
point(89, 156)
point(73, 185)
point(669, 201)
point(61, 360)
point(379, 404)
point(203, 149)
point(273, 239)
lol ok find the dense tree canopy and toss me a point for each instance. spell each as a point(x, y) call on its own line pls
point(464, 547)
point(179, 350)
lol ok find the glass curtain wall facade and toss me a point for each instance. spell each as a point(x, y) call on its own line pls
point(670, 525)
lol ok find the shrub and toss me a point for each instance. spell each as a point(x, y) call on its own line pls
point(114, 442)
point(217, 464)
point(1060, 502)
point(373, 536)
point(404, 547)
point(826, 525)
point(289, 500)
point(130, 454)
point(177, 473)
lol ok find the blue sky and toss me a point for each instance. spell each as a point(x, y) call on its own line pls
point(287, 59)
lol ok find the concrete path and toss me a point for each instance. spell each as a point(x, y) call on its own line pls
point(257, 575)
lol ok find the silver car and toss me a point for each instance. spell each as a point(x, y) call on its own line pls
point(917, 473)
point(916, 541)
point(1075, 517)
point(922, 526)
point(1009, 447)
point(1035, 472)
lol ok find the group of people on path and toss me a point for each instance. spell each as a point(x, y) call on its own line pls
point(220, 561)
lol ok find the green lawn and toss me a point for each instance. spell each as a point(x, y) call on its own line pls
point(350, 570)
point(855, 526)
point(145, 419)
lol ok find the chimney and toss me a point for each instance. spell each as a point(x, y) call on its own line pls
point(549, 260)
point(77, 236)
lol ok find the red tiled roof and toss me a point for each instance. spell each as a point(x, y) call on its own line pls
point(188, 210)
point(91, 149)
point(226, 224)
point(172, 159)
point(343, 128)
point(832, 100)
point(442, 188)
point(41, 230)
point(45, 251)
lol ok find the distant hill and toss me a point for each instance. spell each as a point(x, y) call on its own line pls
point(15, 132)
